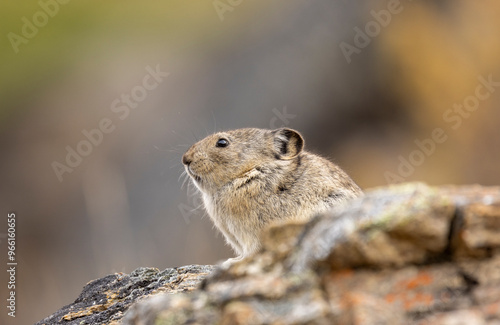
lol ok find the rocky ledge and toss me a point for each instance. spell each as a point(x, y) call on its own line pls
point(402, 254)
point(105, 300)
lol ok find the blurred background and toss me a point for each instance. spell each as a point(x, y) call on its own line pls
point(366, 82)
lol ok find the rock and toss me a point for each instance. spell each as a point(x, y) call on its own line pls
point(104, 301)
point(403, 254)
point(391, 226)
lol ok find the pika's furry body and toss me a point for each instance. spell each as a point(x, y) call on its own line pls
point(251, 178)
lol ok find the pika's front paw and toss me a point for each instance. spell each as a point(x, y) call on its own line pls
point(226, 264)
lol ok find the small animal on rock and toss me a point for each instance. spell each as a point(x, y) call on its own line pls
point(251, 178)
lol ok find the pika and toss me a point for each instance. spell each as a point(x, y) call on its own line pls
point(251, 178)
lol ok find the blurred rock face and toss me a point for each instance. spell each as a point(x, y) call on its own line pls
point(264, 65)
point(430, 60)
point(442, 64)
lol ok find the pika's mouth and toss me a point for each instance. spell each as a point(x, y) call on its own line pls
point(192, 174)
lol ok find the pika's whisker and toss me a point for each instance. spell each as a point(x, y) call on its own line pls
point(181, 175)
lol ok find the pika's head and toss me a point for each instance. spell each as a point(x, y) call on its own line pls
point(225, 157)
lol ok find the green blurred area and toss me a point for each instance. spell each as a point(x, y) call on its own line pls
point(78, 29)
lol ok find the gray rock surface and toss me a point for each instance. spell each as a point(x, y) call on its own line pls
point(104, 301)
point(403, 254)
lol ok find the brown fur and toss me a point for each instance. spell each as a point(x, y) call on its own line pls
point(260, 178)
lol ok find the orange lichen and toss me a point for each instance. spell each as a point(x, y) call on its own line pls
point(492, 309)
point(418, 299)
point(422, 279)
point(342, 274)
point(408, 292)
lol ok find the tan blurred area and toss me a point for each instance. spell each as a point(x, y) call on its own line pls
point(368, 83)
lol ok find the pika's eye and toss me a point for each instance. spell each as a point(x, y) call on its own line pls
point(221, 143)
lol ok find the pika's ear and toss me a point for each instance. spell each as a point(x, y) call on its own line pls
point(287, 143)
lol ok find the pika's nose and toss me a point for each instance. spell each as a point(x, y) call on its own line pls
point(186, 159)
